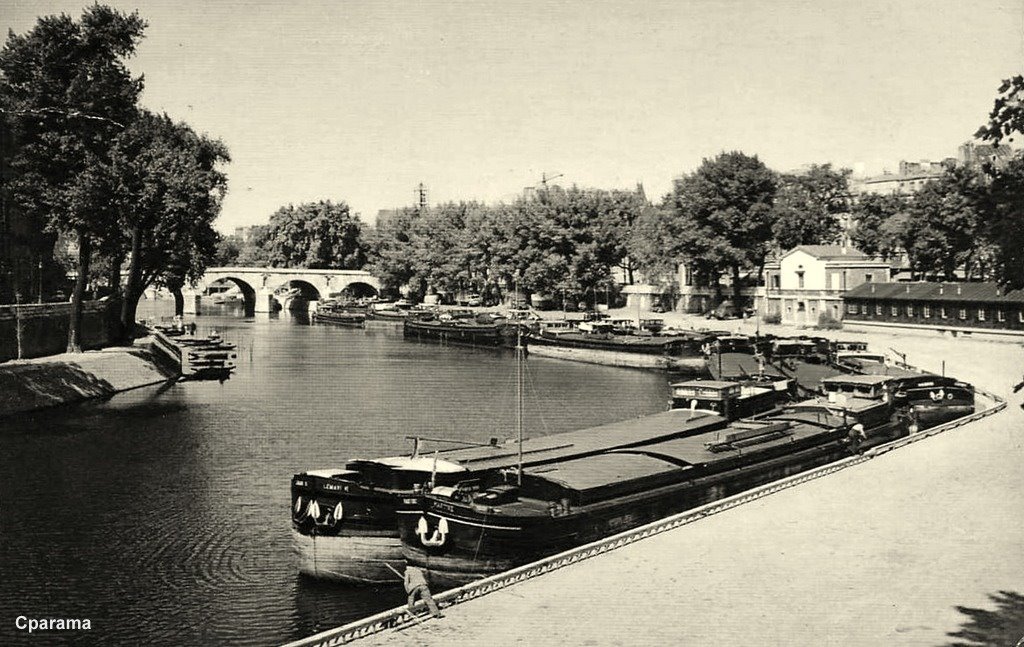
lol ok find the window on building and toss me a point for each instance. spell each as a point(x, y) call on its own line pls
point(878, 309)
point(851, 308)
point(981, 314)
point(963, 313)
point(1020, 316)
point(910, 311)
point(927, 312)
point(776, 283)
point(894, 310)
point(800, 280)
point(1000, 316)
point(868, 278)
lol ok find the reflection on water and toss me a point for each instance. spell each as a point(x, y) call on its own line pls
point(999, 628)
point(162, 514)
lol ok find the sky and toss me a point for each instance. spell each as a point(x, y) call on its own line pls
point(360, 101)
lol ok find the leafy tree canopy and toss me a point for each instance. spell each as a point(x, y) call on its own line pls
point(808, 206)
point(870, 213)
point(315, 235)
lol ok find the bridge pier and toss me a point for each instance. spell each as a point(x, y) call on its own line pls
point(264, 301)
point(193, 303)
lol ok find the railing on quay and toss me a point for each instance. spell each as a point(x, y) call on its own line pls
point(400, 616)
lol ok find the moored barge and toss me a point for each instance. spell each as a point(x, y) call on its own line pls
point(485, 331)
point(475, 529)
point(345, 521)
point(599, 345)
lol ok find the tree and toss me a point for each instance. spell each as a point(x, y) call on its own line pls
point(390, 249)
point(725, 215)
point(252, 252)
point(870, 212)
point(444, 254)
point(168, 187)
point(945, 217)
point(67, 90)
point(228, 250)
point(653, 245)
point(315, 235)
point(808, 205)
point(1007, 116)
point(1004, 207)
point(1003, 215)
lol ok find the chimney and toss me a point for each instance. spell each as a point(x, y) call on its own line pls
point(958, 288)
point(940, 288)
point(872, 288)
point(999, 291)
point(908, 288)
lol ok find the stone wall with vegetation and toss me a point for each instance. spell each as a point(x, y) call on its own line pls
point(38, 330)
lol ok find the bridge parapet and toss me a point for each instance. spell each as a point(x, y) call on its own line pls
point(259, 283)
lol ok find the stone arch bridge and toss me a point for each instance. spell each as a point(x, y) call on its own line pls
point(259, 284)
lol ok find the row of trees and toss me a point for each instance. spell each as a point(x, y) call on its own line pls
point(125, 187)
point(724, 219)
point(558, 243)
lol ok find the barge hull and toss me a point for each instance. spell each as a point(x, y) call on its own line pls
point(694, 365)
point(472, 552)
point(350, 559)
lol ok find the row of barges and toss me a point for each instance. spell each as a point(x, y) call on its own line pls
point(467, 513)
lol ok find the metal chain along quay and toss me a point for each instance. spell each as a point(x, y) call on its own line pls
point(400, 616)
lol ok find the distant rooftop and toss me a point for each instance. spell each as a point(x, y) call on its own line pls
point(830, 252)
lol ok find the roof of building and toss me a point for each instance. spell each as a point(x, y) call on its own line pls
point(830, 252)
point(923, 291)
point(903, 177)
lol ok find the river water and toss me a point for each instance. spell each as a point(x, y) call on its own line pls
point(162, 514)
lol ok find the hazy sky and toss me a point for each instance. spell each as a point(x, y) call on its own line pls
point(360, 101)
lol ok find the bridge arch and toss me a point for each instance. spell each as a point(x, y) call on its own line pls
point(247, 290)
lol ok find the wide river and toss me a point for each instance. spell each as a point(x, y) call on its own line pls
point(162, 514)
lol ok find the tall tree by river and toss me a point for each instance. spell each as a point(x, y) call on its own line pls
point(168, 187)
point(724, 215)
point(68, 93)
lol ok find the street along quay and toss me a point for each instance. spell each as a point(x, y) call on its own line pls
point(888, 548)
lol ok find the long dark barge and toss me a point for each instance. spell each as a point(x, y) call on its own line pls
point(490, 333)
point(339, 317)
point(682, 352)
point(481, 527)
point(345, 521)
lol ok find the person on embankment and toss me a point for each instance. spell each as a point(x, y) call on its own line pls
point(416, 586)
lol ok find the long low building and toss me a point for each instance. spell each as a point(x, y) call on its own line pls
point(964, 307)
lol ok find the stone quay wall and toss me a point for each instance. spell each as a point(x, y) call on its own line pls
point(39, 330)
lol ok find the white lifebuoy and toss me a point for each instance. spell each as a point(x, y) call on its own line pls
point(339, 512)
point(298, 504)
point(313, 510)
